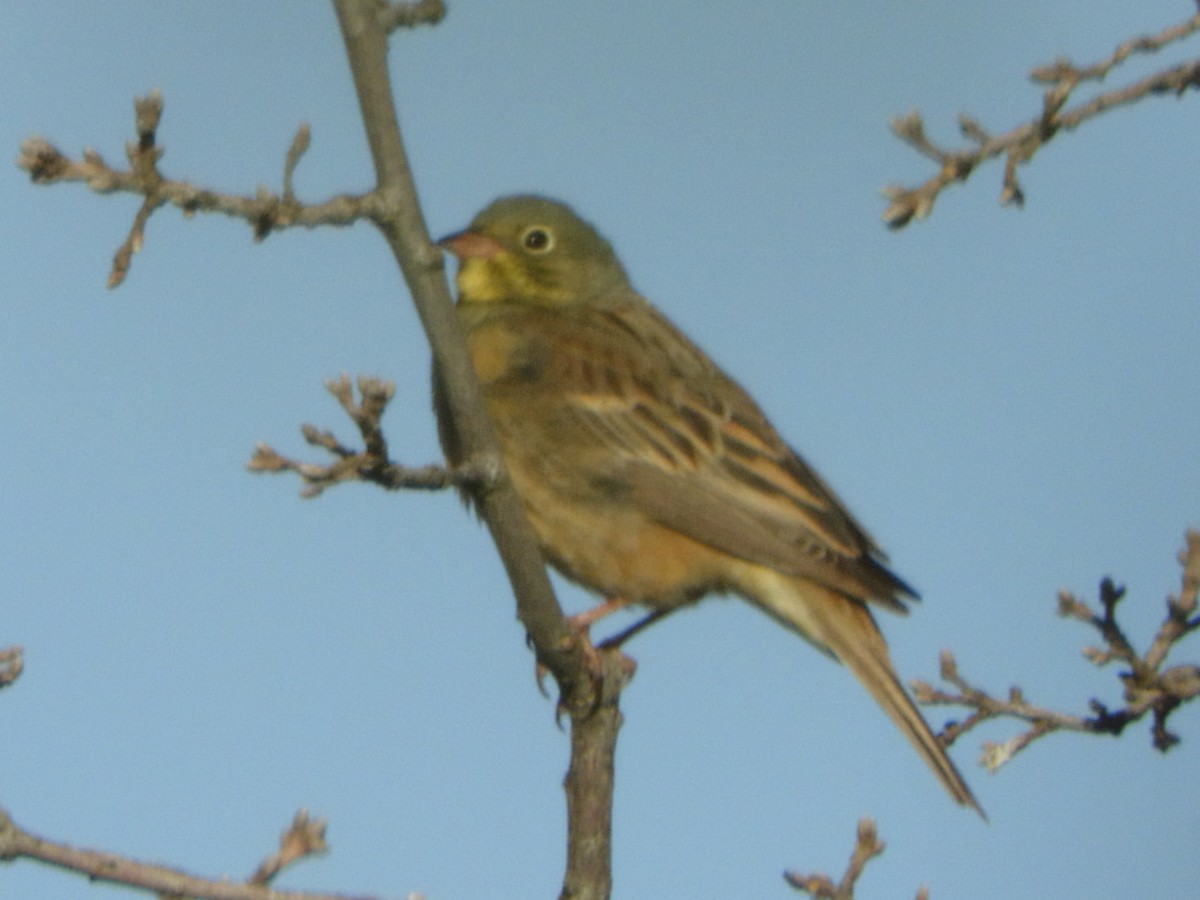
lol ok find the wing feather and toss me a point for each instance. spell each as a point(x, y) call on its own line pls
point(691, 449)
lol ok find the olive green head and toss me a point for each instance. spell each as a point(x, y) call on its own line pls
point(530, 249)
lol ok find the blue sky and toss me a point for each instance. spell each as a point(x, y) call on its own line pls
point(1006, 398)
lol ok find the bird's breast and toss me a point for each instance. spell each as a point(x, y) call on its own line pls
point(500, 354)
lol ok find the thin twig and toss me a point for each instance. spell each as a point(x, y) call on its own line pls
point(304, 837)
point(300, 144)
point(1149, 688)
point(265, 211)
point(1063, 70)
point(371, 464)
point(1020, 144)
point(820, 886)
point(111, 868)
point(410, 15)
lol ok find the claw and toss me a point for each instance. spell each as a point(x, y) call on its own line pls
point(580, 623)
point(593, 663)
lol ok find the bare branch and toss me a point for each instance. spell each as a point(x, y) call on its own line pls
point(392, 206)
point(399, 218)
point(371, 464)
point(589, 786)
point(1149, 689)
point(300, 144)
point(588, 693)
point(265, 212)
point(589, 681)
point(867, 846)
point(1062, 70)
point(410, 15)
point(1019, 145)
point(16, 843)
point(304, 837)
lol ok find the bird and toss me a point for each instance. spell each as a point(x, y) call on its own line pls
point(646, 472)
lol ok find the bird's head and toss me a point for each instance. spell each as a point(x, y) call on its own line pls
point(532, 250)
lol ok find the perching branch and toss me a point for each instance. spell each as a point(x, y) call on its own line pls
point(1019, 145)
point(304, 837)
point(820, 886)
point(398, 216)
point(1149, 689)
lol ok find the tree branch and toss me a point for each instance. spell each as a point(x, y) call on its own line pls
point(399, 218)
point(820, 886)
point(1021, 143)
point(304, 837)
point(392, 207)
point(410, 15)
point(371, 464)
point(589, 681)
point(265, 212)
point(589, 788)
point(1149, 689)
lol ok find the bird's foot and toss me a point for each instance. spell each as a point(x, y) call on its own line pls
point(581, 624)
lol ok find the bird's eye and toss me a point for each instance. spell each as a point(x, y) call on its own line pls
point(537, 239)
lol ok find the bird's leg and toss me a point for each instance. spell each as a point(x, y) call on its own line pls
point(589, 617)
point(646, 621)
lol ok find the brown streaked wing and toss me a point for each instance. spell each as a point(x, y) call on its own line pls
point(698, 455)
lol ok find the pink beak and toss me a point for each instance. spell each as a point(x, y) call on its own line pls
point(471, 245)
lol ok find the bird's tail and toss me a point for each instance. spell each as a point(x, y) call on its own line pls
point(846, 629)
